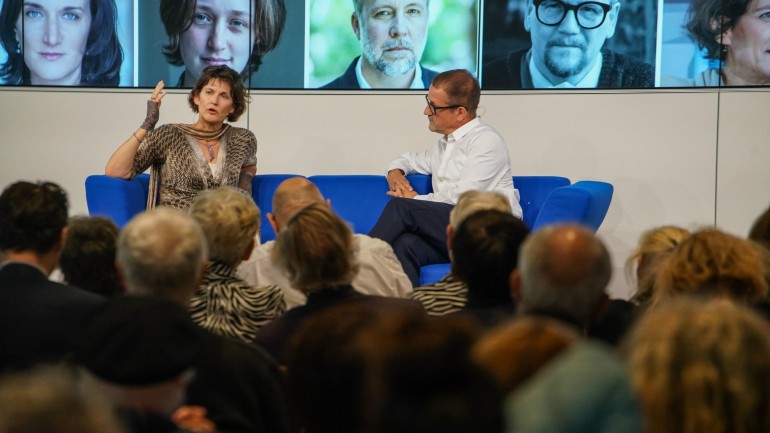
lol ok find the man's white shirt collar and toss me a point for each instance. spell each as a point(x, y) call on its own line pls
point(416, 82)
point(591, 79)
point(463, 130)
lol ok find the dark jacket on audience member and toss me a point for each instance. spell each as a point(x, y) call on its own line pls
point(41, 321)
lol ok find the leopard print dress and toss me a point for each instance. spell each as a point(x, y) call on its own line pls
point(180, 170)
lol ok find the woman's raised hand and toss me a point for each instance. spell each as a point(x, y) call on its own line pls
point(153, 107)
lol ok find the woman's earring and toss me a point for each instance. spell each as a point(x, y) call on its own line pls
point(18, 49)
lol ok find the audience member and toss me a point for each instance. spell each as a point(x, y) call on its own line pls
point(654, 246)
point(162, 253)
point(41, 320)
point(316, 251)
point(470, 155)
point(140, 352)
point(563, 273)
point(450, 294)
point(88, 257)
point(585, 389)
point(379, 271)
point(485, 252)
point(701, 366)
point(224, 304)
point(711, 262)
point(356, 367)
point(51, 400)
point(513, 352)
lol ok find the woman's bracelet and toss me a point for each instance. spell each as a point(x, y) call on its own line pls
point(137, 138)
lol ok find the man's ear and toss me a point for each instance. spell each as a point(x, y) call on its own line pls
point(273, 223)
point(514, 284)
point(59, 245)
point(528, 16)
point(328, 202)
point(612, 18)
point(356, 27)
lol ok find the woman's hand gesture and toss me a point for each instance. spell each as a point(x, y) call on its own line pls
point(153, 107)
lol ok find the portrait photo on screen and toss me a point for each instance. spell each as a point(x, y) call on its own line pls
point(388, 44)
point(715, 43)
point(179, 38)
point(66, 43)
point(568, 44)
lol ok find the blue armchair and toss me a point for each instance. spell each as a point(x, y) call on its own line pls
point(359, 199)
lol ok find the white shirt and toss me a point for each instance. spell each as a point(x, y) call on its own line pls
point(379, 273)
point(416, 82)
point(473, 157)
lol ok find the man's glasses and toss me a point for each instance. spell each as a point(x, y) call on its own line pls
point(434, 108)
point(589, 15)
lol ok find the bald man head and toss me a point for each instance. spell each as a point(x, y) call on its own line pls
point(290, 197)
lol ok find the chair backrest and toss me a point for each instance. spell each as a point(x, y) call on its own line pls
point(117, 199)
point(533, 192)
point(585, 202)
point(358, 199)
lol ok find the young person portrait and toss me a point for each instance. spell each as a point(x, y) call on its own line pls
point(179, 38)
point(61, 43)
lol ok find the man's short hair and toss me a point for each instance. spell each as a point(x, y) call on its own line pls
point(161, 252)
point(473, 201)
point(485, 251)
point(564, 281)
point(461, 87)
point(229, 219)
point(316, 250)
point(32, 216)
point(88, 257)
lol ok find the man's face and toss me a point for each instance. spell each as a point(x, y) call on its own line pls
point(392, 34)
point(444, 121)
point(565, 51)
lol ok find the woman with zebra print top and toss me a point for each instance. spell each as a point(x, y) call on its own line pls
point(225, 304)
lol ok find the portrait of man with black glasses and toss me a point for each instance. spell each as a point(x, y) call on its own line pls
point(568, 50)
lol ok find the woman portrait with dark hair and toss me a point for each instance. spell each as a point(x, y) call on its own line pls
point(186, 159)
point(737, 34)
point(60, 43)
point(234, 33)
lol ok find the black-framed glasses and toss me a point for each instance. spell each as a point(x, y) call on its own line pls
point(434, 108)
point(589, 15)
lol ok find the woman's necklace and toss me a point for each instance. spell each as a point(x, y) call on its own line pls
point(210, 145)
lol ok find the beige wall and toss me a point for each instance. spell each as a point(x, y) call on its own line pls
point(692, 158)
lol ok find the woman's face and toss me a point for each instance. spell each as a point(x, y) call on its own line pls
point(748, 52)
point(221, 34)
point(215, 101)
point(55, 38)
